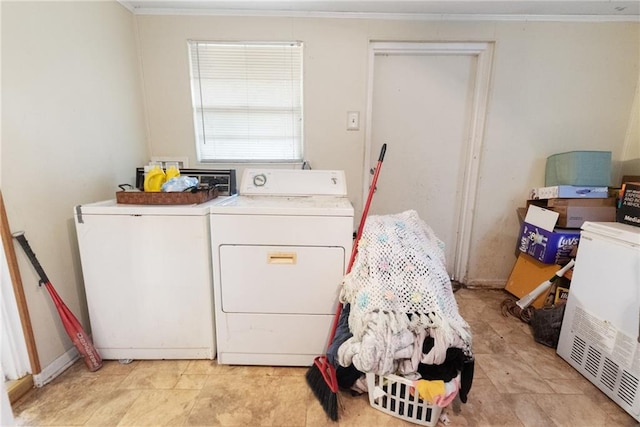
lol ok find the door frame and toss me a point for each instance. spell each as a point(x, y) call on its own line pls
point(483, 51)
point(18, 388)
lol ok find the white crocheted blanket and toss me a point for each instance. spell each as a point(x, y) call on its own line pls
point(399, 284)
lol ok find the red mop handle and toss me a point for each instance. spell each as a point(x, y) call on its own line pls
point(354, 250)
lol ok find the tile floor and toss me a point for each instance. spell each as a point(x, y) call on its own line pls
point(517, 383)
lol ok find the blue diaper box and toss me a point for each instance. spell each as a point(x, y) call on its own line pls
point(540, 239)
point(583, 168)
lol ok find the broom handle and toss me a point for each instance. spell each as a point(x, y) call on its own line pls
point(354, 250)
point(526, 300)
point(365, 212)
point(19, 236)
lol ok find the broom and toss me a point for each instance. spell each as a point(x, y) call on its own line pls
point(521, 308)
point(321, 376)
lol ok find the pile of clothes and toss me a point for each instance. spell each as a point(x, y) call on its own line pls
point(399, 313)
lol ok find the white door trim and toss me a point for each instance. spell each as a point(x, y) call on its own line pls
point(483, 51)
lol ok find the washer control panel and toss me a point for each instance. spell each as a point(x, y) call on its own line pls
point(224, 179)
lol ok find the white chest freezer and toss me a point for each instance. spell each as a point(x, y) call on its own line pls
point(600, 333)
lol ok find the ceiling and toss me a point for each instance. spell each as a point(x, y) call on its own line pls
point(614, 10)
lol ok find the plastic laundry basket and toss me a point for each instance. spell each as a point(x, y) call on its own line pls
point(392, 394)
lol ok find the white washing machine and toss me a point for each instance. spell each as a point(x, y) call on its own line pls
point(280, 250)
point(147, 276)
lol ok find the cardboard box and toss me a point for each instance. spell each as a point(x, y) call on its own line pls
point(574, 212)
point(564, 202)
point(630, 178)
point(526, 275)
point(575, 216)
point(521, 212)
point(569, 191)
point(592, 168)
point(540, 239)
point(629, 209)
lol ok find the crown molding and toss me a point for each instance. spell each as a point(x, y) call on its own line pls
point(383, 16)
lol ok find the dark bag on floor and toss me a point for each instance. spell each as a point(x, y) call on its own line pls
point(546, 323)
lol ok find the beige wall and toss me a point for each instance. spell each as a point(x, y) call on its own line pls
point(631, 157)
point(556, 86)
point(72, 129)
point(73, 126)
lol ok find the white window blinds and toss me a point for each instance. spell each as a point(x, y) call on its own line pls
point(247, 101)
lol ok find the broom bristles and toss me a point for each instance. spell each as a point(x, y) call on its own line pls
point(327, 398)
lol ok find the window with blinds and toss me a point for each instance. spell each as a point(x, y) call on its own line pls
point(247, 101)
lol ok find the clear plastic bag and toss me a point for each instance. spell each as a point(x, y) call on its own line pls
point(180, 183)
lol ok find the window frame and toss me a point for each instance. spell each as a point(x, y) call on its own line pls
point(197, 104)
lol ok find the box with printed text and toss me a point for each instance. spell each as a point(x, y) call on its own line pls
point(542, 240)
point(629, 209)
point(569, 191)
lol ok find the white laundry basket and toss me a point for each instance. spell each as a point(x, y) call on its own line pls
point(392, 394)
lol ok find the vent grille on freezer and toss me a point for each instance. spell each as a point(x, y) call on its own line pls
point(610, 372)
point(593, 361)
point(577, 351)
point(628, 388)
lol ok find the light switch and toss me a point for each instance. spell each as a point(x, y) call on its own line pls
point(353, 120)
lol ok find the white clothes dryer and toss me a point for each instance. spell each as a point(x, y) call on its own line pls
point(279, 250)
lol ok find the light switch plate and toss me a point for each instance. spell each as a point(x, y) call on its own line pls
point(353, 120)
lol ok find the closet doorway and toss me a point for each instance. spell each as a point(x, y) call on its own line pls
point(428, 101)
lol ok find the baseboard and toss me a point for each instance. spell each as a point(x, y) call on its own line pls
point(18, 388)
point(57, 367)
point(486, 284)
